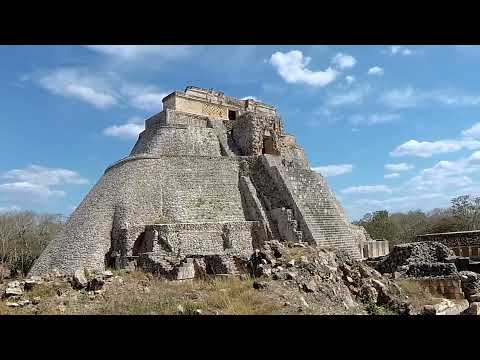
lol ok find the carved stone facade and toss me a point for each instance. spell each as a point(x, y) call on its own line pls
point(210, 179)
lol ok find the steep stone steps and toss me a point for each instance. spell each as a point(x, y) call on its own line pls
point(325, 219)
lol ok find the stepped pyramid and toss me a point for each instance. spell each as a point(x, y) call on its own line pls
point(209, 180)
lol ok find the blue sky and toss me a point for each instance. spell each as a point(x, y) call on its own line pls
point(392, 127)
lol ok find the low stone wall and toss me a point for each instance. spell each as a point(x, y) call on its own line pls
point(449, 287)
point(374, 248)
point(187, 239)
point(462, 243)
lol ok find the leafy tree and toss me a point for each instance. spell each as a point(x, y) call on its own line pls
point(379, 225)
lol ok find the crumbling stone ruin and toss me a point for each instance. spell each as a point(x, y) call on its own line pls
point(210, 179)
point(434, 267)
point(464, 244)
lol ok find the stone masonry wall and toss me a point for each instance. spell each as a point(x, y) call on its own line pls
point(200, 239)
point(463, 243)
point(177, 140)
point(142, 191)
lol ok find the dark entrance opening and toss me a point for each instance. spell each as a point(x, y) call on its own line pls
point(232, 115)
point(268, 146)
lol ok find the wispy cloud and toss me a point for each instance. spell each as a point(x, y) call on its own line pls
point(128, 131)
point(373, 119)
point(77, 84)
point(101, 90)
point(391, 176)
point(134, 52)
point(376, 70)
point(472, 132)
point(399, 50)
point(409, 97)
point(428, 148)
point(144, 97)
point(333, 170)
point(366, 189)
point(35, 183)
point(351, 97)
point(399, 167)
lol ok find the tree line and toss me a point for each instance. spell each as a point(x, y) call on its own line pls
point(462, 215)
point(23, 237)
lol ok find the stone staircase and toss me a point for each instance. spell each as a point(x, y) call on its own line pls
point(327, 223)
point(321, 218)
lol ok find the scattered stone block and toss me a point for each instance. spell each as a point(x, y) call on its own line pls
point(309, 286)
point(474, 309)
point(475, 297)
point(107, 274)
point(12, 304)
point(13, 291)
point(186, 271)
point(79, 280)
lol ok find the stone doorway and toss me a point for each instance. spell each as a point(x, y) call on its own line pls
point(268, 146)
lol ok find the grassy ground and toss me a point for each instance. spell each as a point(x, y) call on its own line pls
point(139, 293)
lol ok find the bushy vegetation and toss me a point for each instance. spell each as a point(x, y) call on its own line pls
point(462, 215)
point(23, 237)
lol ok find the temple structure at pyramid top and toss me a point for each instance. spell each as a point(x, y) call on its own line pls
point(209, 180)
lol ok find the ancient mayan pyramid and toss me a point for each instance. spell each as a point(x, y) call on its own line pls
point(209, 181)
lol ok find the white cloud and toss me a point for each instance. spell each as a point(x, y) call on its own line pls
point(250, 97)
point(144, 97)
point(292, 67)
point(428, 148)
point(449, 97)
point(343, 61)
point(76, 84)
point(399, 167)
point(28, 190)
point(127, 131)
point(133, 52)
point(373, 119)
point(391, 176)
point(40, 175)
point(351, 97)
point(35, 183)
point(400, 50)
point(149, 101)
point(400, 98)
point(333, 170)
point(376, 70)
point(410, 97)
point(350, 79)
point(473, 132)
point(366, 189)
point(445, 174)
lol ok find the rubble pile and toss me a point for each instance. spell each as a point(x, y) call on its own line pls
point(417, 259)
point(328, 275)
point(431, 260)
point(16, 293)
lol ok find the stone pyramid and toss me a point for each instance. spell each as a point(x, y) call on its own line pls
point(209, 180)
